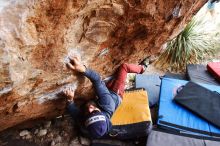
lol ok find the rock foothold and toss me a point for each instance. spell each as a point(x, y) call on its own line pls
point(42, 132)
point(75, 142)
point(47, 124)
point(24, 133)
point(36, 131)
point(85, 141)
point(52, 143)
point(58, 139)
point(28, 136)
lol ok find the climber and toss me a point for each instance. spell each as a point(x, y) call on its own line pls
point(96, 115)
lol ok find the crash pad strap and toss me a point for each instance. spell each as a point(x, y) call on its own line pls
point(133, 109)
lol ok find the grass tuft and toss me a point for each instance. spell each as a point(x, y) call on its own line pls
point(191, 46)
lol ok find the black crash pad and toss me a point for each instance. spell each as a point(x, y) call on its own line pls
point(201, 101)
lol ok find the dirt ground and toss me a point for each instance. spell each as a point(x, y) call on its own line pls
point(56, 132)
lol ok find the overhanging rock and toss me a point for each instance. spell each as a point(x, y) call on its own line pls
point(36, 36)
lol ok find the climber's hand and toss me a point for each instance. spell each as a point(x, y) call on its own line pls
point(69, 92)
point(76, 65)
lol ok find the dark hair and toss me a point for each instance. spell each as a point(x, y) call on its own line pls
point(84, 106)
point(91, 102)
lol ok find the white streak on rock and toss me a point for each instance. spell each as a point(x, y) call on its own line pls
point(5, 90)
point(55, 94)
point(72, 52)
point(4, 3)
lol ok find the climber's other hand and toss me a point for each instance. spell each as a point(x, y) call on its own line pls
point(70, 93)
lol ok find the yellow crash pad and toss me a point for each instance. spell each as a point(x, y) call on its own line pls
point(133, 109)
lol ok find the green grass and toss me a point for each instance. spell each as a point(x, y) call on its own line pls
point(191, 46)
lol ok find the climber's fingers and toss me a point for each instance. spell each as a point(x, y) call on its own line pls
point(75, 60)
point(69, 92)
point(69, 65)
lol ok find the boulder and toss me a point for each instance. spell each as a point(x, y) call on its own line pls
point(37, 35)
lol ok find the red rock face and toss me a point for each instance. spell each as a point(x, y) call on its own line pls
point(36, 36)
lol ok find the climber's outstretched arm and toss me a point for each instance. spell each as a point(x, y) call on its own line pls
point(105, 101)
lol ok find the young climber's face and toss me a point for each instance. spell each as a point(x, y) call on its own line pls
point(91, 107)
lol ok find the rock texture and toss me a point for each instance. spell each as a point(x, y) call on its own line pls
point(36, 36)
